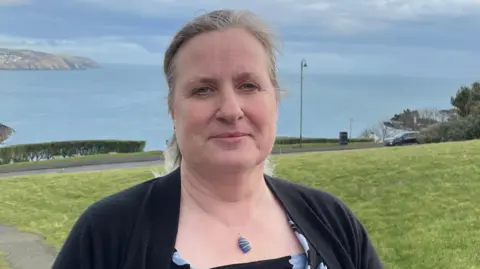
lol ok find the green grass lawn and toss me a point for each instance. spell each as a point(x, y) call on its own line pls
point(3, 261)
point(421, 205)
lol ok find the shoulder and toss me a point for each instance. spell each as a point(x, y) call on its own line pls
point(118, 208)
point(120, 223)
point(322, 202)
point(326, 206)
point(105, 224)
point(328, 210)
point(115, 212)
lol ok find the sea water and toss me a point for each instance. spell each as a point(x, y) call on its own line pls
point(129, 102)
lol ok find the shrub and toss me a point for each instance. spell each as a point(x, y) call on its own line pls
point(466, 128)
point(288, 140)
point(65, 149)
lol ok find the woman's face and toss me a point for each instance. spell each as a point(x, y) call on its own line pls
point(224, 104)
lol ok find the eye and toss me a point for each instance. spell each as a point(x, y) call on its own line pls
point(249, 86)
point(202, 91)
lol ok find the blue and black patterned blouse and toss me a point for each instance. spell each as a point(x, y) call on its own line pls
point(298, 261)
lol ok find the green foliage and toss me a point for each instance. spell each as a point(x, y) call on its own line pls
point(65, 149)
point(414, 120)
point(466, 128)
point(462, 122)
point(467, 100)
point(5, 132)
point(288, 140)
point(407, 119)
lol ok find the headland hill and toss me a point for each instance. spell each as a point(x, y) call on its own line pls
point(22, 59)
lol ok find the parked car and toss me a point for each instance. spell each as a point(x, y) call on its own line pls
point(403, 139)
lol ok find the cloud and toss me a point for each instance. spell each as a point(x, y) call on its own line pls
point(336, 36)
point(343, 58)
point(339, 15)
point(13, 2)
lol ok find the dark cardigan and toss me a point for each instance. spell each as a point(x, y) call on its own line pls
point(136, 228)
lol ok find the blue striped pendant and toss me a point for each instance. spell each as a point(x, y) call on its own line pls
point(243, 244)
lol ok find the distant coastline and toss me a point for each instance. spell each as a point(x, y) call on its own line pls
point(28, 60)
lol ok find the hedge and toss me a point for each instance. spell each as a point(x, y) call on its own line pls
point(282, 140)
point(467, 128)
point(65, 149)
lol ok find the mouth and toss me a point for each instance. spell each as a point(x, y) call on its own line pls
point(230, 135)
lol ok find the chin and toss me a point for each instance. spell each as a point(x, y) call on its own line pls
point(234, 161)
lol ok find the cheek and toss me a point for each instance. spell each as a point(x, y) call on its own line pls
point(264, 113)
point(190, 116)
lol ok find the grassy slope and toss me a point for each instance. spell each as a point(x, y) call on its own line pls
point(3, 261)
point(419, 204)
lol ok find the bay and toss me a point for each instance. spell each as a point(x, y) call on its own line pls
point(129, 102)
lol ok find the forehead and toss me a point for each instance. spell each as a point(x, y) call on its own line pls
point(221, 52)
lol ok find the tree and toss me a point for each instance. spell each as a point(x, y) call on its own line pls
point(407, 120)
point(379, 132)
point(467, 100)
point(415, 120)
point(446, 115)
point(5, 132)
point(430, 116)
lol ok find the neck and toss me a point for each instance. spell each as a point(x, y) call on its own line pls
point(213, 189)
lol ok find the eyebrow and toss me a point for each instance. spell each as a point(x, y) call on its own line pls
point(211, 80)
point(245, 75)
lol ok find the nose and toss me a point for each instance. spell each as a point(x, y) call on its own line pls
point(230, 106)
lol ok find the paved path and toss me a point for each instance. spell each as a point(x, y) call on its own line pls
point(25, 250)
point(85, 168)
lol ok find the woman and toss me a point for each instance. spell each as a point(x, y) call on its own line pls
point(219, 206)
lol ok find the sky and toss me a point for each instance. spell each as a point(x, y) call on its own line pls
point(402, 37)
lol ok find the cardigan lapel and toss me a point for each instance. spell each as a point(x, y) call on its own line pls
point(163, 211)
point(152, 241)
point(320, 254)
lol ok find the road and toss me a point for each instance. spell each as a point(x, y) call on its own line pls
point(85, 168)
point(142, 163)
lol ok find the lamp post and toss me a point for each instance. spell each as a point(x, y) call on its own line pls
point(303, 64)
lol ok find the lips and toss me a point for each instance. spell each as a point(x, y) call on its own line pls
point(230, 135)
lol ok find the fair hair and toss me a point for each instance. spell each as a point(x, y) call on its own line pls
point(212, 21)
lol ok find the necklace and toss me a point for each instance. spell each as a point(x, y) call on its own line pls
point(244, 244)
